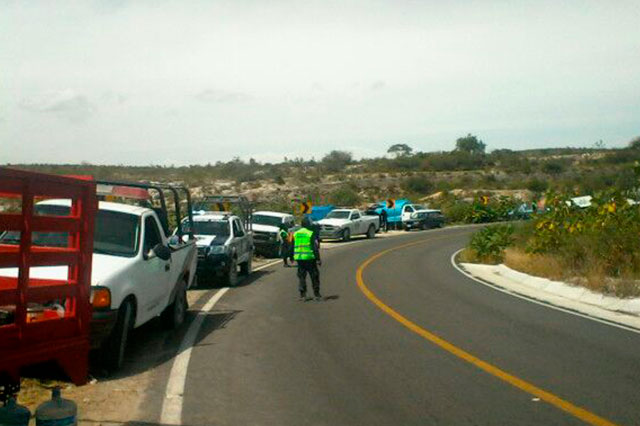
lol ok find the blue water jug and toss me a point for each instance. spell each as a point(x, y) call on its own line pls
point(57, 411)
point(13, 414)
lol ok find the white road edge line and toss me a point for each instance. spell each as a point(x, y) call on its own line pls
point(172, 405)
point(536, 301)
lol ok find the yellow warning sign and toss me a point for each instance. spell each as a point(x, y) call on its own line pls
point(305, 207)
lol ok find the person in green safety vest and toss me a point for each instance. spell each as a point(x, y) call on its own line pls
point(306, 253)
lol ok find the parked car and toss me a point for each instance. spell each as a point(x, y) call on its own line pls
point(425, 219)
point(223, 246)
point(266, 226)
point(345, 223)
point(137, 274)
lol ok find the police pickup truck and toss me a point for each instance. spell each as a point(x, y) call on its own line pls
point(138, 273)
point(345, 223)
point(223, 246)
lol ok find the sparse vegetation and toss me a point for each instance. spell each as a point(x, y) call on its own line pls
point(596, 246)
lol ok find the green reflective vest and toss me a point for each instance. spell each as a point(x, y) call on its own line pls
point(284, 235)
point(302, 250)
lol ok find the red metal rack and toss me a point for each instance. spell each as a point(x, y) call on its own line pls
point(29, 335)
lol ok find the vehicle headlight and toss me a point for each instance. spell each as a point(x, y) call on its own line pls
point(217, 249)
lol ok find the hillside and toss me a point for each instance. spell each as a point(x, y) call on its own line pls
point(338, 178)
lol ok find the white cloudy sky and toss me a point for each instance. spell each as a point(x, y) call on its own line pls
point(181, 81)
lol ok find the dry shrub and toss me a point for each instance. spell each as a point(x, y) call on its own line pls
point(540, 265)
point(468, 256)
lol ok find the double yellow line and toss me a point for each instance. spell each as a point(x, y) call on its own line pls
point(517, 382)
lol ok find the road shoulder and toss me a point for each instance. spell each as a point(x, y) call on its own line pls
point(573, 299)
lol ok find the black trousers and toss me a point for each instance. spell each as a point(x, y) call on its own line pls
point(310, 267)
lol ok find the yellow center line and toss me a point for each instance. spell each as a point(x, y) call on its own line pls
point(566, 406)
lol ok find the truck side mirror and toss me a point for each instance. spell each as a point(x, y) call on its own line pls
point(162, 252)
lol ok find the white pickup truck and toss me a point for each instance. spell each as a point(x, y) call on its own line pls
point(137, 273)
point(266, 226)
point(345, 223)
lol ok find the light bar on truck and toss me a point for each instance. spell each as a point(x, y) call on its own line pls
point(109, 191)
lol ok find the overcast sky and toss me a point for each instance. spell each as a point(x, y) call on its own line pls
point(180, 81)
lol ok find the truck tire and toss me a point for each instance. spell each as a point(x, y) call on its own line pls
point(230, 279)
point(346, 235)
point(115, 345)
point(371, 232)
point(245, 268)
point(173, 315)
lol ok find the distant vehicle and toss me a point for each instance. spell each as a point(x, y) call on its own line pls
point(345, 223)
point(523, 212)
point(425, 219)
point(266, 226)
point(224, 245)
point(137, 274)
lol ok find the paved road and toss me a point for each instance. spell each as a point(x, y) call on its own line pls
point(264, 358)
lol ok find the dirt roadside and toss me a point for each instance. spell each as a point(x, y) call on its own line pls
point(118, 399)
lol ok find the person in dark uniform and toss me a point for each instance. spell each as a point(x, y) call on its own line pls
point(307, 254)
point(384, 224)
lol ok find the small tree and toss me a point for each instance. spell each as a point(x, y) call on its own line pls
point(635, 143)
point(470, 144)
point(400, 149)
point(336, 161)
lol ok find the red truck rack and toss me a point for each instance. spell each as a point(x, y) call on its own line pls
point(30, 330)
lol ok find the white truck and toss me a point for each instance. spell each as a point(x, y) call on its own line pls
point(137, 274)
point(410, 212)
point(345, 223)
point(266, 226)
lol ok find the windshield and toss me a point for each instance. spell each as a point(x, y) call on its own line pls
point(115, 233)
point(339, 214)
point(209, 227)
point(259, 219)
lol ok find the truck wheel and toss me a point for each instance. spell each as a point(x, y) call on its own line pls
point(424, 226)
point(245, 268)
point(115, 345)
point(173, 315)
point(346, 235)
point(371, 232)
point(231, 277)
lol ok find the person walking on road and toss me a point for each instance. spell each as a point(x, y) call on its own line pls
point(285, 250)
point(307, 254)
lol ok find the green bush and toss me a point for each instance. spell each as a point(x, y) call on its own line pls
point(603, 238)
point(489, 243)
point(418, 185)
point(345, 195)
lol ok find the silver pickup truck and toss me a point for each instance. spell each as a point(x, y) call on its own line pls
point(345, 223)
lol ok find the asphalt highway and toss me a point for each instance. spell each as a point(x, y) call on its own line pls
point(408, 340)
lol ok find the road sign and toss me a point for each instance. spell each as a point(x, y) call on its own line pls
point(391, 203)
point(305, 207)
point(484, 199)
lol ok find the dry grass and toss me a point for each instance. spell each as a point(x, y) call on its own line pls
point(592, 277)
point(540, 265)
point(470, 256)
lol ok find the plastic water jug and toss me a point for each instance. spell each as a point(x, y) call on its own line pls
point(13, 414)
point(57, 412)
